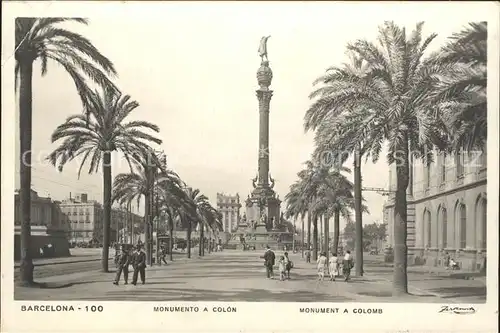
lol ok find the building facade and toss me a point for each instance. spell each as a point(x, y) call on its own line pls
point(85, 218)
point(446, 210)
point(229, 206)
point(48, 226)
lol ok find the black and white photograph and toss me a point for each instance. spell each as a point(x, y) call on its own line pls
point(251, 152)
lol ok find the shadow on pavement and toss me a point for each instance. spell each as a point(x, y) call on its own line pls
point(450, 292)
point(247, 295)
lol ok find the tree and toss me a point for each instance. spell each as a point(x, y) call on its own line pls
point(96, 136)
point(209, 219)
point(190, 218)
point(151, 175)
point(373, 233)
point(461, 89)
point(296, 207)
point(328, 134)
point(323, 192)
point(42, 39)
point(350, 234)
point(389, 104)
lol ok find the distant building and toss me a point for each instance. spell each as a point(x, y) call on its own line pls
point(48, 226)
point(229, 206)
point(446, 210)
point(86, 219)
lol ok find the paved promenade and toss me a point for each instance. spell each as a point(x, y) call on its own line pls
point(240, 276)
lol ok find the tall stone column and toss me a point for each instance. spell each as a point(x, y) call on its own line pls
point(264, 95)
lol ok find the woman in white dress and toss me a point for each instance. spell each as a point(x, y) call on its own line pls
point(321, 266)
point(333, 265)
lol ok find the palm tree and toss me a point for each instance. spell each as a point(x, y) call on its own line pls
point(328, 130)
point(296, 207)
point(310, 179)
point(96, 136)
point(210, 220)
point(190, 218)
point(389, 104)
point(461, 90)
point(143, 182)
point(42, 39)
point(333, 198)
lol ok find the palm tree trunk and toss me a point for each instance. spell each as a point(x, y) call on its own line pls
point(336, 231)
point(315, 238)
point(106, 232)
point(358, 213)
point(309, 222)
point(321, 233)
point(25, 127)
point(147, 228)
point(188, 239)
point(327, 236)
point(302, 236)
point(400, 278)
point(171, 238)
point(202, 235)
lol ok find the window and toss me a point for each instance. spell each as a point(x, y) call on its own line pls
point(483, 160)
point(463, 226)
point(443, 168)
point(444, 219)
point(428, 228)
point(459, 161)
point(427, 175)
point(483, 224)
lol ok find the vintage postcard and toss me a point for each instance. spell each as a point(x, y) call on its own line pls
point(249, 166)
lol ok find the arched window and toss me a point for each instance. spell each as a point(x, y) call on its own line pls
point(444, 224)
point(480, 217)
point(462, 225)
point(427, 229)
point(459, 164)
point(428, 175)
point(443, 168)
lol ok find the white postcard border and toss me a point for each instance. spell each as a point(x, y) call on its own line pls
point(250, 317)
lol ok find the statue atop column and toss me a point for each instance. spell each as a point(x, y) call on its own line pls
point(263, 48)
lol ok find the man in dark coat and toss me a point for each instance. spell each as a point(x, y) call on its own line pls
point(122, 266)
point(139, 264)
point(269, 259)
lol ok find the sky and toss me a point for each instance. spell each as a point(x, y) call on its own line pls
point(192, 68)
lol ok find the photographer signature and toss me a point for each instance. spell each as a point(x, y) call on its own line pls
point(457, 310)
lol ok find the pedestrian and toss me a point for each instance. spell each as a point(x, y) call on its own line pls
point(333, 265)
point(122, 266)
point(288, 265)
point(308, 256)
point(282, 268)
point(347, 265)
point(139, 264)
point(321, 266)
point(163, 255)
point(269, 258)
point(447, 260)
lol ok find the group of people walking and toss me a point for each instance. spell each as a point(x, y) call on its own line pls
point(334, 266)
point(284, 264)
point(137, 259)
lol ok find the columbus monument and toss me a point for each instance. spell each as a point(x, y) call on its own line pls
point(262, 223)
point(263, 206)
